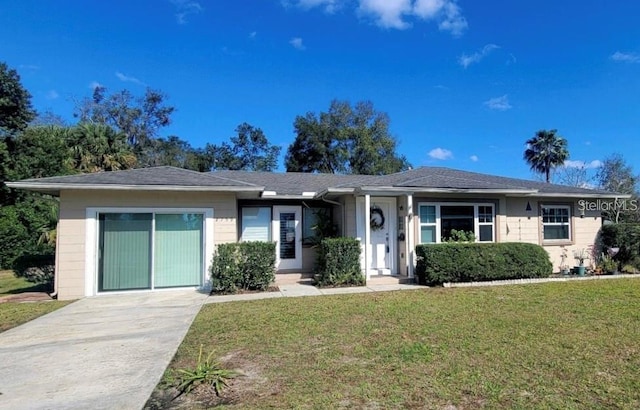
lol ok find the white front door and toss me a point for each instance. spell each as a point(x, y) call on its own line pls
point(380, 241)
point(287, 232)
point(382, 234)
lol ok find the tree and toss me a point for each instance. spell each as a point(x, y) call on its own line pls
point(176, 152)
point(250, 150)
point(546, 151)
point(98, 147)
point(346, 140)
point(40, 152)
point(577, 176)
point(15, 102)
point(615, 175)
point(139, 118)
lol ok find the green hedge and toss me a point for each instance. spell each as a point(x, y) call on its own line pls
point(243, 266)
point(339, 263)
point(467, 262)
point(627, 238)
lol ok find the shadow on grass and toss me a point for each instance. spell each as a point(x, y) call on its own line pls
point(39, 287)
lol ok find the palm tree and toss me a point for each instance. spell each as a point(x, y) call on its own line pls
point(546, 151)
point(98, 147)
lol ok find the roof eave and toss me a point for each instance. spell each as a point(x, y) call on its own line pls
point(413, 190)
point(582, 195)
point(335, 191)
point(53, 187)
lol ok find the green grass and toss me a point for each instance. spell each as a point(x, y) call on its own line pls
point(10, 284)
point(555, 345)
point(13, 314)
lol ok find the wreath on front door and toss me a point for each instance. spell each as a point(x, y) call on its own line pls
point(376, 218)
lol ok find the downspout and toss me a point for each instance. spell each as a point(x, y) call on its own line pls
point(54, 295)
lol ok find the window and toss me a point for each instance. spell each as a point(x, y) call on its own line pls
point(555, 222)
point(256, 224)
point(311, 217)
point(485, 223)
point(438, 220)
point(129, 242)
point(428, 227)
point(458, 217)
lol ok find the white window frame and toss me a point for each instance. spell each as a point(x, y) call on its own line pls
point(91, 241)
point(436, 223)
point(476, 219)
point(478, 224)
point(568, 223)
point(269, 222)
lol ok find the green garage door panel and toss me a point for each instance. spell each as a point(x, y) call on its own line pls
point(178, 253)
point(125, 251)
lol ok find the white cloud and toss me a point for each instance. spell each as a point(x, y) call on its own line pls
point(296, 42)
point(386, 13)
point(582, 164)
point(253, 34)
point(474, 158)
point(465, 60)
point(128, 79)
point(330, 6)
point(453, 20)
point(393, 14)
point(498, 103)
point(184, 8)
point(52, 95)
point(625, 57)
point(441, 154)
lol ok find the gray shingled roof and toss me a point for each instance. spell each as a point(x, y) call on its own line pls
point(295, 184)
point(423, 178)
point(158, 176)
point(441, 177)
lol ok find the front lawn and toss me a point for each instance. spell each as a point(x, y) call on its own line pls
point(13, 314)
point(554, 345)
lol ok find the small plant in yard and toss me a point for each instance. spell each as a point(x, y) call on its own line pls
point(207, 371)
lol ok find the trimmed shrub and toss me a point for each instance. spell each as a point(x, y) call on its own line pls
point(467, 262)
point(243, 266)
point(339, 263)
point(35, 268)
point(627, 238)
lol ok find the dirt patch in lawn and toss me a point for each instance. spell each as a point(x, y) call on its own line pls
point(250, 383)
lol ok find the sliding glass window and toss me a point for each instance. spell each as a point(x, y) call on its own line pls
point(147, 250)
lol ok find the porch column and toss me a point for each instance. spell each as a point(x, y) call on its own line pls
point(367, 235)
point(411, 230)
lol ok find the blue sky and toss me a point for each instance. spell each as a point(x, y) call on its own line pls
point(464, 82)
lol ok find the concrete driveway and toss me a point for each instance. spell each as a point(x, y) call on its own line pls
point(105, 352)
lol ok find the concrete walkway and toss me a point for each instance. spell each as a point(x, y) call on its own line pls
point(106, 352)
point(298, 290)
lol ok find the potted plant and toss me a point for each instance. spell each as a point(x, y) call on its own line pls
point(580, 256)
